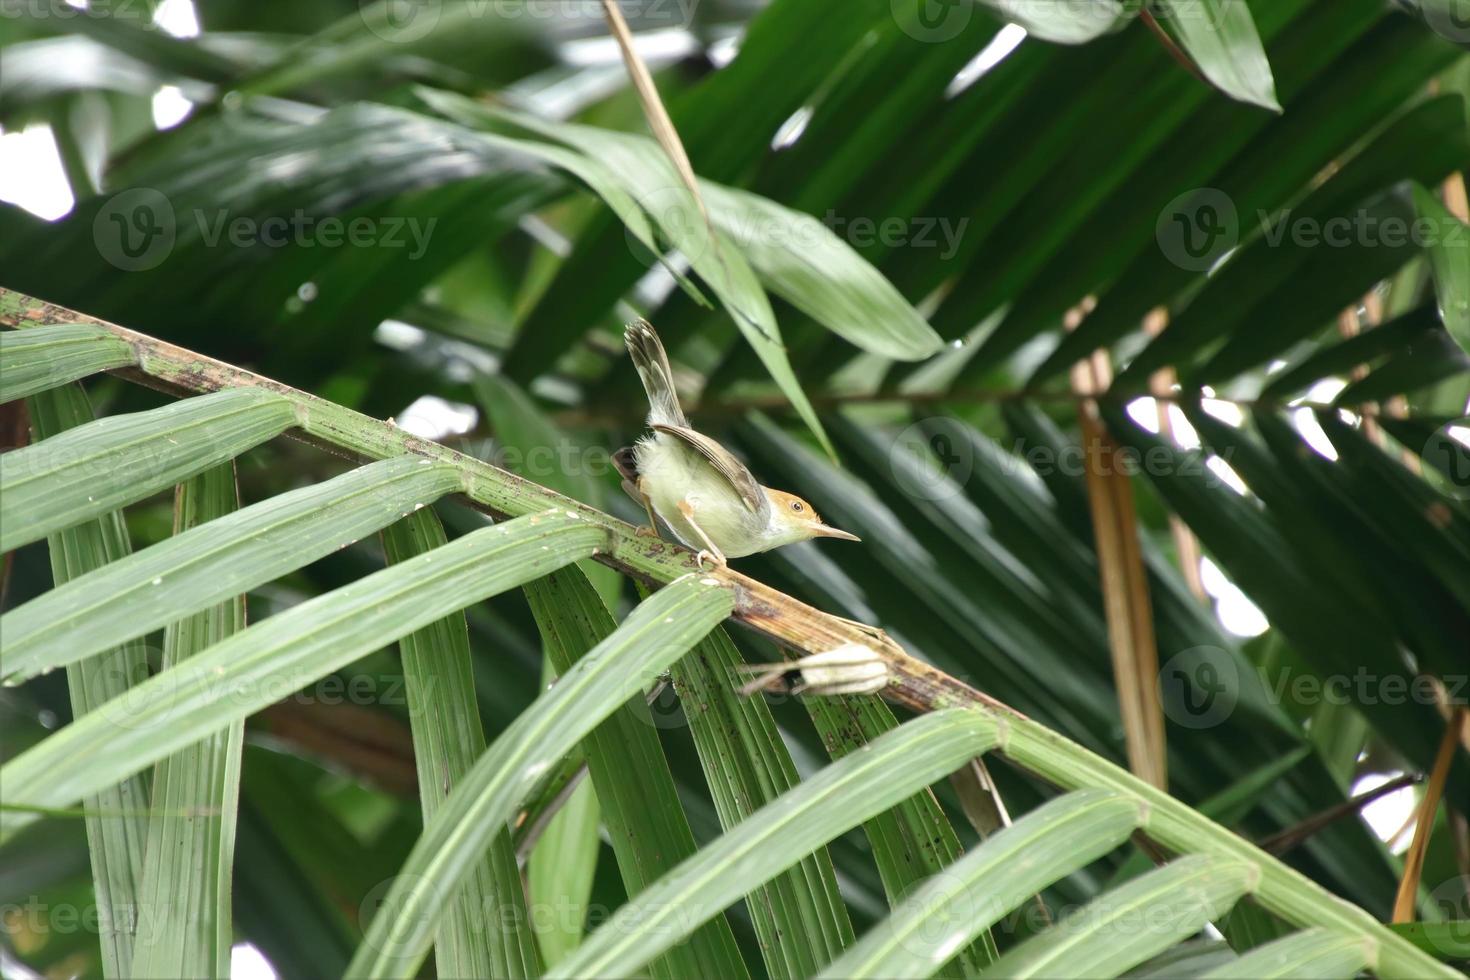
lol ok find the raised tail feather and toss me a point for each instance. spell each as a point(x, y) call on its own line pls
point(653, 368)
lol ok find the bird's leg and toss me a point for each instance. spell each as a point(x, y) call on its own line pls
point(651, 531)
point(711, 552)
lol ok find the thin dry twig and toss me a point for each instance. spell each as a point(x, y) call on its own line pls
point(1281, 842)
point(653, 106)
point(1407, 898)
point(663, 129)
point(1161, 385)
point(1170, 45)
point(1124, 583)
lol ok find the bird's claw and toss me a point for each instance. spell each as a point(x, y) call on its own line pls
point(644, 531)
point(713, 557)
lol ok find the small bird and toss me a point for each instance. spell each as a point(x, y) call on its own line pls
point(703, 493)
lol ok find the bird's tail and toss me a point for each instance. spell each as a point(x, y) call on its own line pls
point(653, 368)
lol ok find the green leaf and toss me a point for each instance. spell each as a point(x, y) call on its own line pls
point(1322, 282)
point(185, 923)
point(1313, 953)
point(802, 261)
point(1338, 638)
point(255, 668)
point(561, 865)
point(1449, 255)
point(588, 169)
point(486, 933)
point(560, 871)
point(646, 172)
point(47, 357)
point(1392, 339)
point(1429, 439)
point(1321, 509)
point(378, 32)
point(1221, 37)
point(202, 565)
point(657, 633)
point(645, 819)
point(1060, 24)
point(1447, 940)
point(248, 214)
point(123, 30)
point(100, 466)
point(1114, 932)
point(1405, 510)
point(785, 58)
point(1188, 959)
point(975, 892)
point(779, 835)
point(1433, 359)
point(798, 915)
point(1279, 889)
point(1306, 43)
point(914, 840)
point(117, 828)
point(1362, 88)
point(1230, 807)
point(547, 456)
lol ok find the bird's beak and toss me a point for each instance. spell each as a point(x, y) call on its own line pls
point(823, 531)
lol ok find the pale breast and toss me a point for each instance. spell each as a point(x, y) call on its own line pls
point(670, 472)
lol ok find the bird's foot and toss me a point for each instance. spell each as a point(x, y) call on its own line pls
point(645, 531)
point(715, 558)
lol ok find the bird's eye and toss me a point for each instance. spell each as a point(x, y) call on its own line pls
point(796, 506)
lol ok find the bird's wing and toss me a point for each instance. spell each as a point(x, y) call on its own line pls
point(724, 463)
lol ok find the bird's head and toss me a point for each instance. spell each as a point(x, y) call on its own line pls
point(793, 519)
